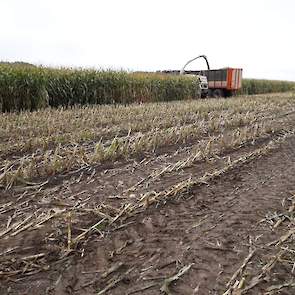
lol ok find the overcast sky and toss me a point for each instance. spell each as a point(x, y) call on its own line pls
point(257, 35)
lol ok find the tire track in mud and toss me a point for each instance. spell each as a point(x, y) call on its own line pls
point(209, 229)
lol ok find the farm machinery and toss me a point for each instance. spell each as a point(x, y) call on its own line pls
point(217, 83)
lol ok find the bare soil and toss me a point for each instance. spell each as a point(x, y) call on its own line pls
point(208, 231)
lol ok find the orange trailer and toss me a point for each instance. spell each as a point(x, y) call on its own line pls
point(222, 82)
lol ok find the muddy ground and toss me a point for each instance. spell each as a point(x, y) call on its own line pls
point(233, 234)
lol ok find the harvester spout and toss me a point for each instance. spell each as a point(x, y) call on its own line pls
point(203, 56)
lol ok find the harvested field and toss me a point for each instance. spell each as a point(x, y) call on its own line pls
point(192, 197)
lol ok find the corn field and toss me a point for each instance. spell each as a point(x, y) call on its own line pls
point(256, 86)
point(25, 87)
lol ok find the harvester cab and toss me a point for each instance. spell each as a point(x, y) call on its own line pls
point(202, 79)
point(202, 82)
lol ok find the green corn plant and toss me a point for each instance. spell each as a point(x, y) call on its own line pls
point(30, 88)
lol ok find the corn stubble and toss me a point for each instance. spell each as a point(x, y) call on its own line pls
point(53, 141)
point(34, 146)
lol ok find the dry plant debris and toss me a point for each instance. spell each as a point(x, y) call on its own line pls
point(81, 174)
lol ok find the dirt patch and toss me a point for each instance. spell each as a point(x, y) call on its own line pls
point(212, 229)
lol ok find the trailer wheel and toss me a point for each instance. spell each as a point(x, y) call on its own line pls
point(204, 95)
point(210, 93)
point(218, 93)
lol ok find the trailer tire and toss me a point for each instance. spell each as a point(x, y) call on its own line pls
point(218, 93)
point(204, 95)
point(210, 93)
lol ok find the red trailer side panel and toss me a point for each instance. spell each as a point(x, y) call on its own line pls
point(229, 78)
point(234, 81)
